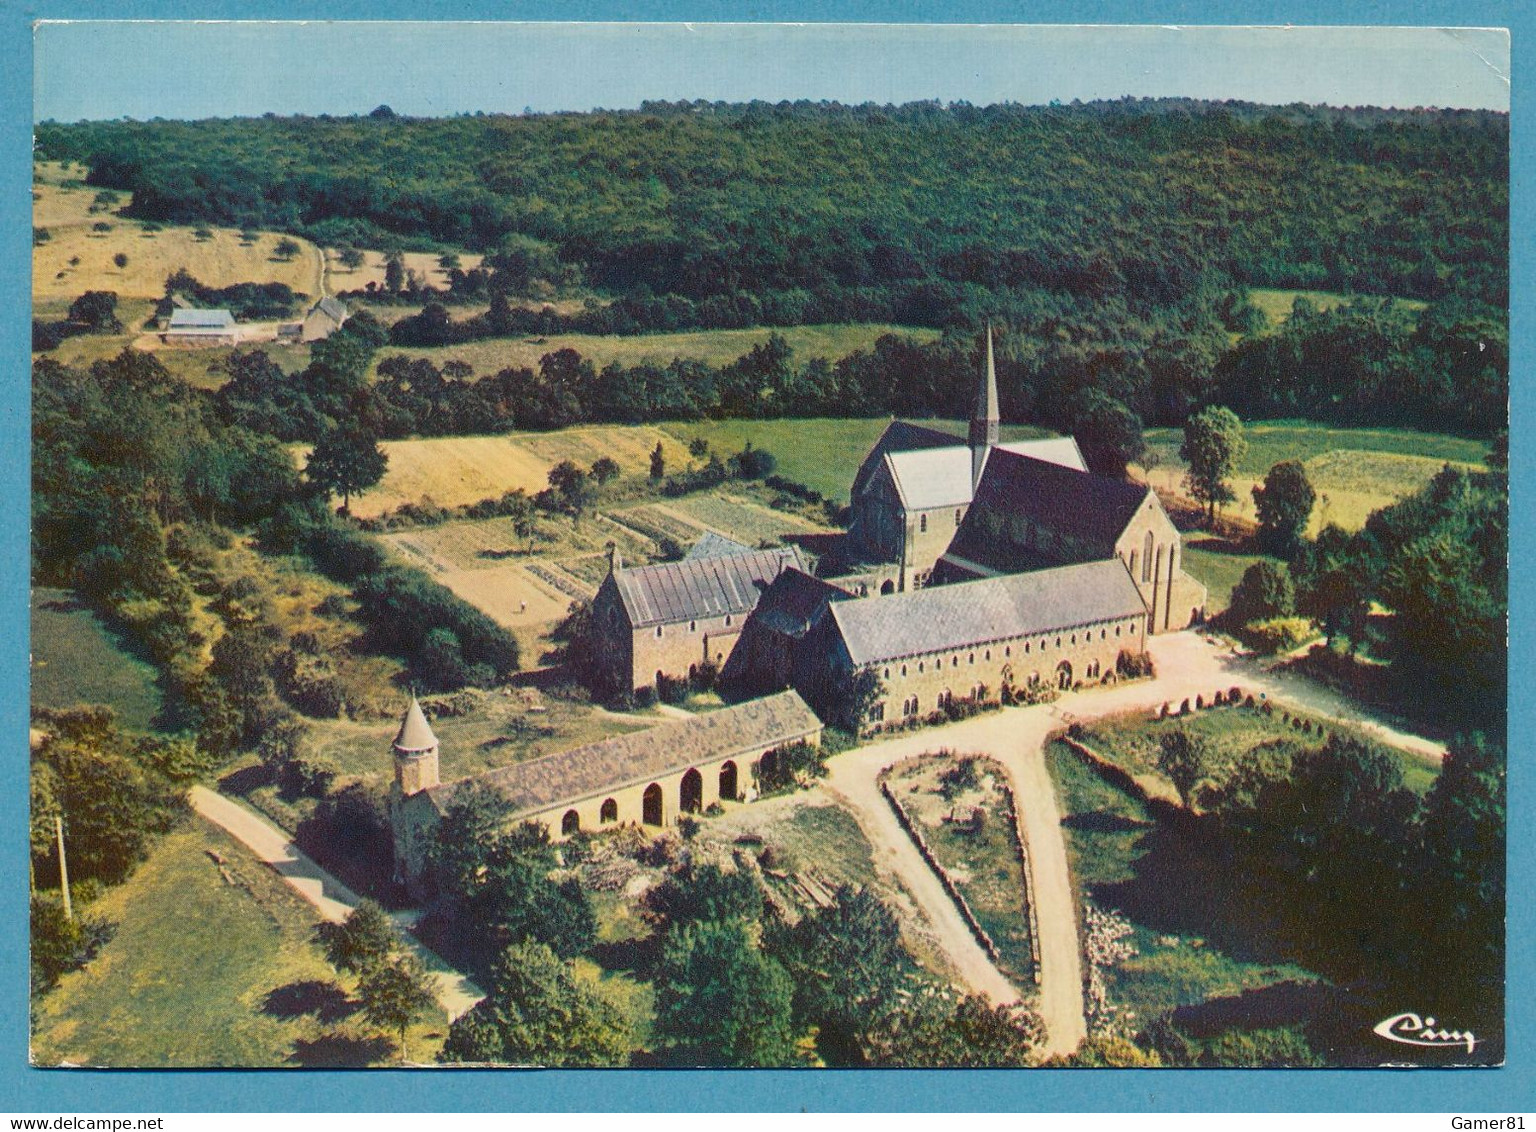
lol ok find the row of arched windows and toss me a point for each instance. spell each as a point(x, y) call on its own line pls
point(690, 800)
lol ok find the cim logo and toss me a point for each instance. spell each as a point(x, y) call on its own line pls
point(1411, 1030)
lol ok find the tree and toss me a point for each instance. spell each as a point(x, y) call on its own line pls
point(286, 248)
point(395, 993)
point(1213, 447)
point(1264, 592)
point(346, 460)
point(931, 1030)
point(698, 448)
point(350, 258)
point(1108, 433)
point(705, 892)
point(1106, 1052)
point(1284, 506)
point(720, 1001)
point(394, 271)
point(97, 310)
point(572, 486)
point(537, 1011)
point(362, 941)
point(658, 462)
point(845, 960)
point(120, 259)
point(60, 945)
point(1184, 758)
point(605, 469)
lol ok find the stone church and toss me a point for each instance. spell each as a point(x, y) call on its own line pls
point(998, 565)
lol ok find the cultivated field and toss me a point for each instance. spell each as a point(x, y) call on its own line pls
point(76, 659)
point(205, 972)
point(717, 347)
point(62, 205)
point(1353, 471)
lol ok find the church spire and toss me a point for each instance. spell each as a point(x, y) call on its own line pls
point(984, 420)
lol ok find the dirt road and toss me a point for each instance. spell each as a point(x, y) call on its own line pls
point(332, 899)
point(1188, 665)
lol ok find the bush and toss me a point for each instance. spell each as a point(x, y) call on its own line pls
point(60, 945)
point(1281, 634)
point(1132, 666)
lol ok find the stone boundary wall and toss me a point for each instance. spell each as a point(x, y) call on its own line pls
point(1032, 918)
point(949, 885)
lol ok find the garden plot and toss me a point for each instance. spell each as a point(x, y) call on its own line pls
point(963, 810)
point(738, 518)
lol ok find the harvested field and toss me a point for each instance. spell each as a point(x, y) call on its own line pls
point(451, 471)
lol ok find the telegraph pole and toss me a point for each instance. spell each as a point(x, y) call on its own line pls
point(58, 829)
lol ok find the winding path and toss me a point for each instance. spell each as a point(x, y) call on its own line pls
point(1188, 665)
point(332, 899)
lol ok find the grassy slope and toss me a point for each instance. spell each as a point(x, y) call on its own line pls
point(1191, 944)
point(77, 660)
point(1275, 303)
point(1354, 471)
point(62, 205)
point(185, 982)
point(717, 347)
point(1133, 741)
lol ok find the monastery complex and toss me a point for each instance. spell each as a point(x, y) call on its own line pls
point(969, 570)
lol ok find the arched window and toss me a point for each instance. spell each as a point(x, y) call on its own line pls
point(1026, 648)
point(651, 812)
point(1146, 558)
point(690, 794)
point(1133, 563)
point(693, 626)
point(972, 659)
point(609, 813)
point(658, 631)
point(903, 669)
point(727, 618)
point(570, 824)
point(922, 522)
point(728, 787)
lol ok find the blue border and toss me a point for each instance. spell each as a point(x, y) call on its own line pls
point(1512, 1088)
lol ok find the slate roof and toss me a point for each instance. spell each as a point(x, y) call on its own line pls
point(1061, 450)
point(901, 436)
point(793, 602)
point(715, 546)
point(332, 308)
point(938, 618)
point(1090, 508)
point(188, 318)
point(626, 760)
point(932, 477)
point(701, 587)
point(415, 733)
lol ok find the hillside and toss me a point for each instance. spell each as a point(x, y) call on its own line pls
point(910, 207)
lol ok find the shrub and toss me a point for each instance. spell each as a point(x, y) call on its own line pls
point(1133, 666)
point(1281, 634)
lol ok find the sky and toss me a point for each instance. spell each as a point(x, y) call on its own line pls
point(113, 69)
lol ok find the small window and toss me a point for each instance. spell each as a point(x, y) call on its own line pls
point(1008, 650)
point(1058, 642)
point(972, 659)
point(1074, 638)
point(987, 655)
point(919, 666)
point(954, 661)
point(658, 631)
point(957, 516)
point(693, 626)
point(1103, 634)
point(1026, 648)
point(1117, 630)
point(887, 673)
point(727, 618)
point(922, 522)
point(903, 669)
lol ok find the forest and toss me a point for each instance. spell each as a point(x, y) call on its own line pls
point(916, 211)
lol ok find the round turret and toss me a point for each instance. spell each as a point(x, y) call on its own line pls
point(415, 751)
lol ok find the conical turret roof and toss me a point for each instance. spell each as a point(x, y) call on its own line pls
point(415, 733)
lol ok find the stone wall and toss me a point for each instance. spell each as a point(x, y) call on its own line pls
point(1089, 650)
